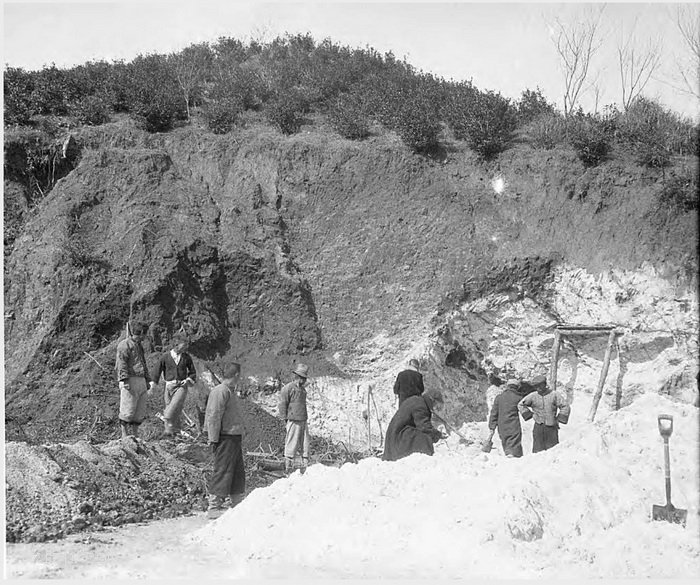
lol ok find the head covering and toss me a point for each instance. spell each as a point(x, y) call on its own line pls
point(301, 370)
point(139, 328)
point(414, 363)
point(538, 381)
point(432, 396)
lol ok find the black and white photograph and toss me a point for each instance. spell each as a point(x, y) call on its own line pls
point(351, 290)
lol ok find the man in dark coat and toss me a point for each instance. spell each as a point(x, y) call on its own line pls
point(409, 382)
point(177, 369)
point(504, 417)
point(410, 430)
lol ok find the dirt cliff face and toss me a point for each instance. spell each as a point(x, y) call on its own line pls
point(269, 250)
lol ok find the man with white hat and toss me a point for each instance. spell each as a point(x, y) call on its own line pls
point(292, 409)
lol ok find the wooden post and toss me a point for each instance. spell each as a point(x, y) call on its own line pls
point(555, 361)
point(369, 423)
point(603, 375)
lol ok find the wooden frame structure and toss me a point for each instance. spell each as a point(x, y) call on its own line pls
point(567, 330)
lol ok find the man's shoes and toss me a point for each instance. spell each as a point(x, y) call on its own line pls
point(233, 500)
point(217, 506)
point(214, 513)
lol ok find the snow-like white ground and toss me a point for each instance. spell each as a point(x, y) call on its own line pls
point(582, 509)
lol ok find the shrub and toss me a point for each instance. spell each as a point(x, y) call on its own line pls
point(418, 125)
point(402, 102)
point(154, 94)
point(221, 115)
point(286, 111)
point(533, 105)
point(53, 91)
point(487, 122)
point(546, 131)
point(91, 110)
point(17, 87)
point(655, 134)
point(680, 191)
point(590, 138)
point(348, 116)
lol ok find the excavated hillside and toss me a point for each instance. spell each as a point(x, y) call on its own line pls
point(351, 257)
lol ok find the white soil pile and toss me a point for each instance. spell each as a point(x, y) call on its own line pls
point(582, 509)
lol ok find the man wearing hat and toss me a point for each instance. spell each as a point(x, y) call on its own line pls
point(410, 430)
point(548, 409)
point(409, 382)
point(504, 417)
point(292, 409)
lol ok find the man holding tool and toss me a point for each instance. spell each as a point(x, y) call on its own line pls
point(177, 369)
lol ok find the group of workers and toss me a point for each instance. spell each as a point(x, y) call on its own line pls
point(410, 430)
point(223, 418)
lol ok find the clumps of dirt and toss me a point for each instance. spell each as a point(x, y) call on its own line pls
point(59, 489)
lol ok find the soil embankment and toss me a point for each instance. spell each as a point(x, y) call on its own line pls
point(351, 257)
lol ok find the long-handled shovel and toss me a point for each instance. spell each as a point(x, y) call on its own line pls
point(450, 428)
point(668, 512)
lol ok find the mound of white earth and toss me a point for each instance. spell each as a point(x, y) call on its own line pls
point(582, 509)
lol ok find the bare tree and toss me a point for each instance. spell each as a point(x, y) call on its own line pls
point(688, 23)
point(576, 44)
point(637, 64)
point(191, 66)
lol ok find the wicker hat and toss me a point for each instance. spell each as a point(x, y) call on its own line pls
point(301, 370)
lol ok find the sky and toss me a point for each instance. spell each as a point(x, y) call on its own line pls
point(505, 47)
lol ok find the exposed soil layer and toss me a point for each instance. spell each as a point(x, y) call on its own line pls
point(270, 250)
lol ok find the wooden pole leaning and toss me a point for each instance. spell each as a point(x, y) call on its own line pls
point(555, 361)
point(603, 375)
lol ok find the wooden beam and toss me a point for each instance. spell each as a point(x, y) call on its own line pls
point(603, 375)
point(555, 361)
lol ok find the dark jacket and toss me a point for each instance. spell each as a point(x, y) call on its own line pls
point(292, 402)
point(410, 430)
point(504, 413)
point(130, 360)
point(172, 371)
point(408, 383)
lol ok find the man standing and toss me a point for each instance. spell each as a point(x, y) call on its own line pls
point(410, 430)
point(504, 417)
point(134, 381)
point(409, 382)
point(548, 409)
point(178, 371)
point(225, 428)
point(292, 409)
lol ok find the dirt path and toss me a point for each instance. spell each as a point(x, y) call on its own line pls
point(147, 550)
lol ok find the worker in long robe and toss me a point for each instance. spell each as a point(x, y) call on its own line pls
point(504, 417)
point(411, 430)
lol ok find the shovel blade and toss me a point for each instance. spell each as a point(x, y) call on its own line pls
point(669, 513)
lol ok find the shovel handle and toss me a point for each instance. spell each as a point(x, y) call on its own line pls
point(665, 429)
